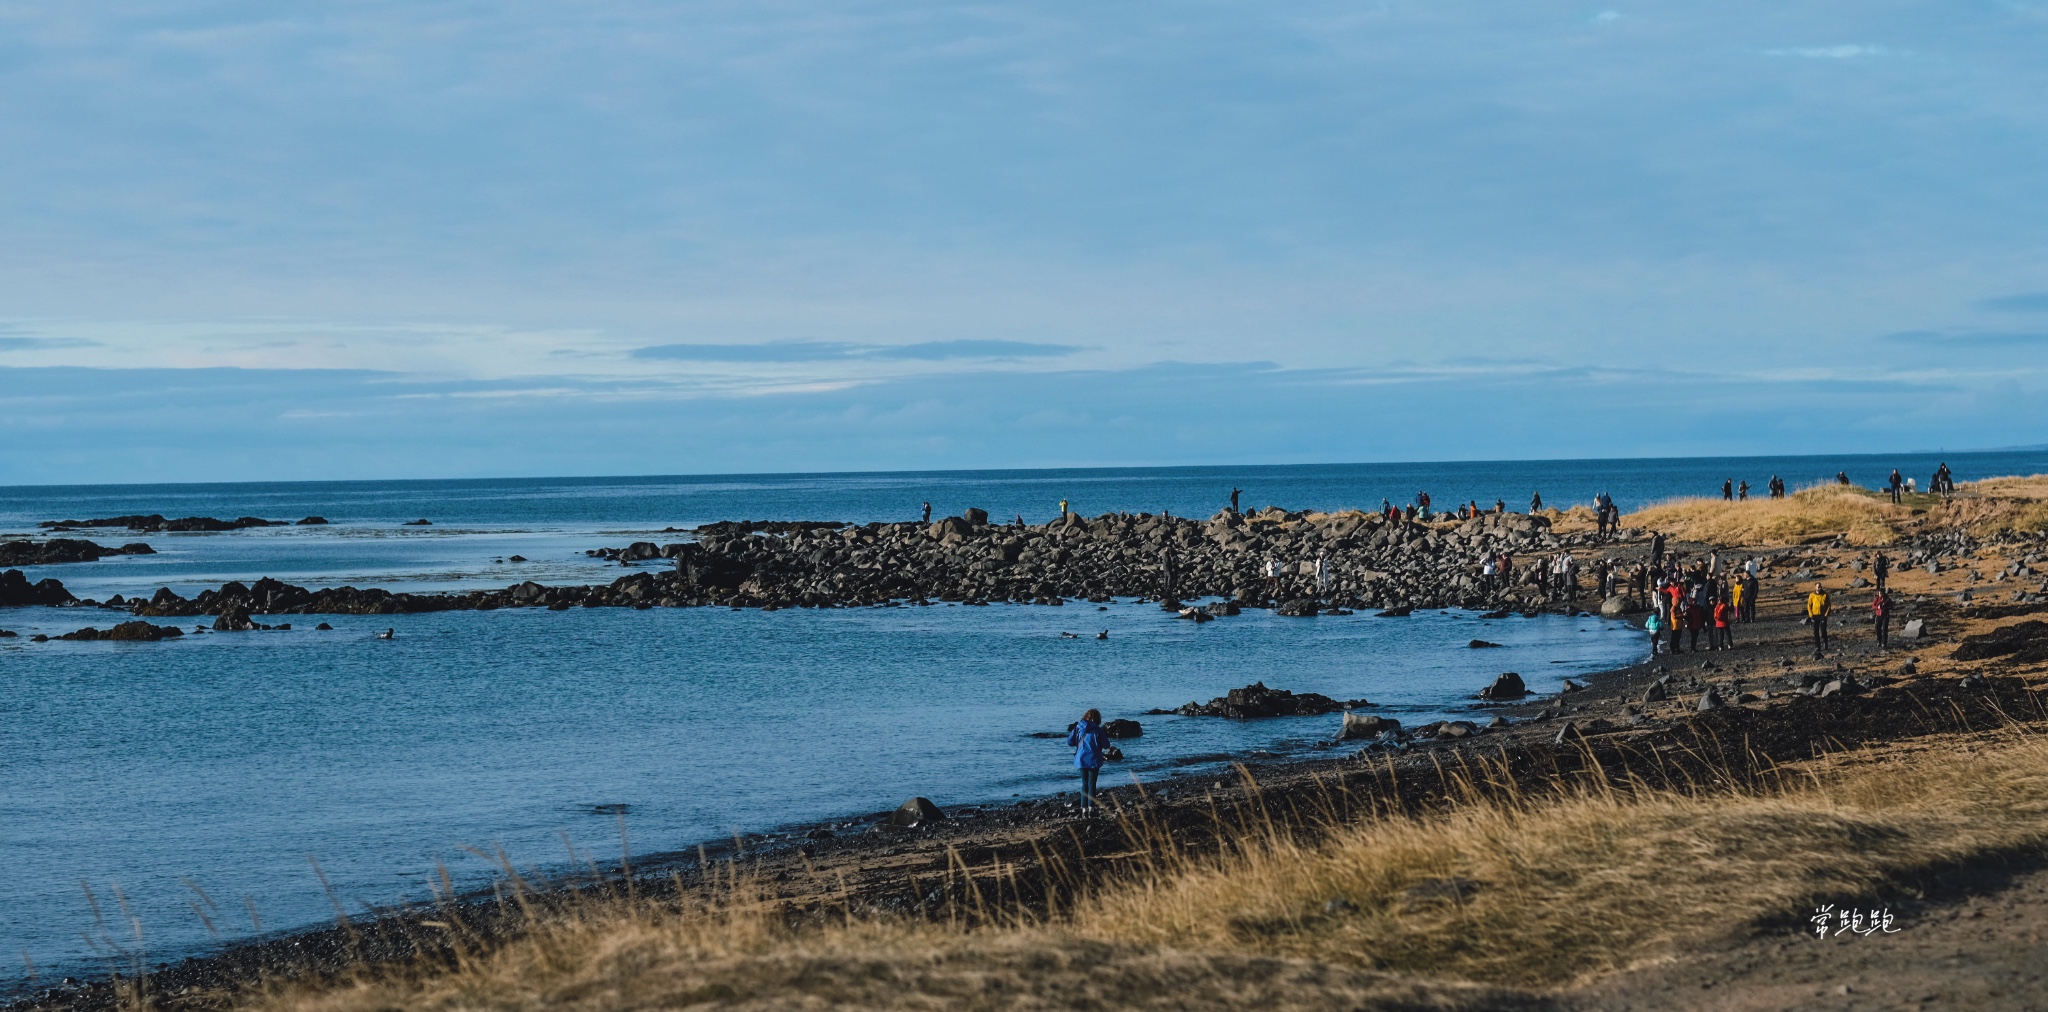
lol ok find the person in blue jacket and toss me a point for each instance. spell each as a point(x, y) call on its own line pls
point(1087, 741)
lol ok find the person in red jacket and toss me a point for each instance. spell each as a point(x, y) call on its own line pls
point(1881, 613)
point(1724, 628)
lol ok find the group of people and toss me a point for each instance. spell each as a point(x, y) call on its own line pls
point(1688, 600)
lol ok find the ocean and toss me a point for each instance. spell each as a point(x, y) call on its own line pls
point(226, 761)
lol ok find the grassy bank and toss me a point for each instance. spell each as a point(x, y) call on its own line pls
point(1502, 891)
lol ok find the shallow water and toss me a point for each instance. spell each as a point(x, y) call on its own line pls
point(228, 758)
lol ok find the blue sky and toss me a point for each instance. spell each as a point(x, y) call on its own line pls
point(242, 241)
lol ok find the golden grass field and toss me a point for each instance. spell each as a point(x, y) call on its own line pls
point(1502, 892)
point(1863, 517)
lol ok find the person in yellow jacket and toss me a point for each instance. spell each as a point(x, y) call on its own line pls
point(1735, 590)
point(1817, 617)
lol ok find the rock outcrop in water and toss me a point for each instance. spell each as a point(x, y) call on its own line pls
point(16, 591)
point(1255, 700)
point(61, 550)
point(155, 522)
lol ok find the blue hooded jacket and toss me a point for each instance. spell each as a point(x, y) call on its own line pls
point(1087, 740)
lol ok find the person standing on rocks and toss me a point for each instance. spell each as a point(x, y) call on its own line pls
point(1881, 568)
point(1063, 511)
point(1167, 573)
point(1749, 592)
point(1817, 608)
point(1234, 493)
point(1323, 575)
point(927, 512)
point(1535, 502)
point(1881, 614)
point(1087, 741)
point(1657, 550)
point(1272, 577)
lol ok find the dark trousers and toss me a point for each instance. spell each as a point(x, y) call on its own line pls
point(1674, 638)
point(1694, 640)
point(1884, 630)
point(1820, 632)
point(1088, 776)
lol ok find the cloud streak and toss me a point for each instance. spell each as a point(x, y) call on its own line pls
point(841, 351)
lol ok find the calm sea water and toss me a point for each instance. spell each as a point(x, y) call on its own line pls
point(228, 759)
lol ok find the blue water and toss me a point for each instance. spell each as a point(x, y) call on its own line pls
point(230, 758)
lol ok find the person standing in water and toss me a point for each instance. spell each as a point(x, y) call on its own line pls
point(1087, 741)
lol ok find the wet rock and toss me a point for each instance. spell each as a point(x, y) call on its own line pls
point(61, 550)
point(1456, 729)
point(1619, 605)
point(421, 522)
point(312, 522)
point(1508, 686)
point(1299, 607)
point(1481, 645)
point(16, 591)
point(235, 618)
point(1365, 725)
point(1121, 728)
point(915, 812)
point(1256, 700)
point(127, 632)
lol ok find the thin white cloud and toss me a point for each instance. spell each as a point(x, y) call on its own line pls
point(1848, 51)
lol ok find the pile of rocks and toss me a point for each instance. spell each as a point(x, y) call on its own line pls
point(61, 550)
point(1371, 562)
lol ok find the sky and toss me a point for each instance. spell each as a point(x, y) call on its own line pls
point(258, 241)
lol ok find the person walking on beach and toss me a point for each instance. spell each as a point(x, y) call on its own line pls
point(1881, 614)
point(1724, 624)
point(1087, 741)
point(1817, 607)
point(1654, 625)
point(1881, 568)
point(1895, 483)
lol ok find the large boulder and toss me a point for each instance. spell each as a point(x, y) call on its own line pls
point(235, 618)
point(1619, 605)
point(1508, 686)
point(1299, 607)
point(1256, 700)
point(975, 517)
point(1122, 728)
point(916, 812)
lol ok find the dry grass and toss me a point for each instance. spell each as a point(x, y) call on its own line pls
point(1563, 890)
point(1863, 516)
point(1559, 889)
